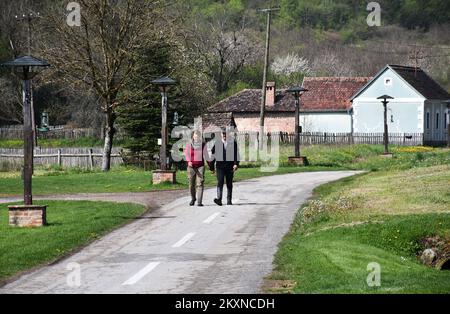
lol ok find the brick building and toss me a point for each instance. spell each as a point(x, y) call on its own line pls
point(327, 105)
point(245, 107)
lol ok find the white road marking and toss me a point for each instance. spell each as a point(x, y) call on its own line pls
point(144, 271)
point(211, 218)
point(184, 240)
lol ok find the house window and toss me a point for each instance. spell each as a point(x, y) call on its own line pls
point(437, 120)
point(428, 121)
point(445, 121)
point(388, 81)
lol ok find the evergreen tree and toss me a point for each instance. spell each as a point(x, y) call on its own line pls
point(140, 112)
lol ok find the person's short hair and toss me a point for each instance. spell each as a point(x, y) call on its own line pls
point(197, 132)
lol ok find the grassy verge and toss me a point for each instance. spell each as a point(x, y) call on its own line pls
point(378, 217)
point(119, 180)
point(71, 225)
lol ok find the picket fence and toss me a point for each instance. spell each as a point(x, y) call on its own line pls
point(54, 133)
point(87, 158)
point(58, 132)
point(318, 138)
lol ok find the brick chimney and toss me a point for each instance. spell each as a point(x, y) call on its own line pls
point(270, 94)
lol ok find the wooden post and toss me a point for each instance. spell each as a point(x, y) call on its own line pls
point(163, 152)
point(28, 143)
point(59, 157)
point(91, 159)
point(297, 122)
point(386, 131)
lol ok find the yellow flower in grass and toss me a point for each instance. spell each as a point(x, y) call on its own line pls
point(415, 149)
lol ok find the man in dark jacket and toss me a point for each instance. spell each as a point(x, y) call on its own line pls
point(225, 162)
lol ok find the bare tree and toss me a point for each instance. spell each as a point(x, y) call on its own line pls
point(222, 47)
point(99, 55)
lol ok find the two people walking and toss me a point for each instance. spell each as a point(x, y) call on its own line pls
point(224, 162)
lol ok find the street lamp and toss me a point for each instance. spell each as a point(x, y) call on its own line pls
point(164, 84)
point(297, 92)
point(385, 102)
point(26, 68)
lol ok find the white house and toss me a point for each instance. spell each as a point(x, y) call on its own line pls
point(419, 104)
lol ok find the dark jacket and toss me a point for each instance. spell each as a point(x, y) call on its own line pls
point(224, 158)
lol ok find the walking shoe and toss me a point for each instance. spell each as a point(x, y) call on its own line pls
point(192, 203)
point(200, 205)
point(218, 202)
point(229, 203)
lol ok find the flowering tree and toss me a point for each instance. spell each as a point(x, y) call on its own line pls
point(290, 64)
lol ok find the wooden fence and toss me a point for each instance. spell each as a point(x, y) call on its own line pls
point(54, 133)
point(87, 158)
point(58, 132)
point(400, 139)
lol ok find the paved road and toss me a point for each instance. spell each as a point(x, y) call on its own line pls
point(182, 249)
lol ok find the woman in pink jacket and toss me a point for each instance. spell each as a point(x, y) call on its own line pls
point(195, 156)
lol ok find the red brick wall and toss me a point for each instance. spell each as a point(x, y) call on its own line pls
point(28, 216)
point(274, 122)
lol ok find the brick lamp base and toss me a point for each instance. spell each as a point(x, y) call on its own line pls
point(27, 216)
point(299, 161)
point(162, 176)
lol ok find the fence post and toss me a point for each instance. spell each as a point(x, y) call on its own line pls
point(59, 157)
point(91, 159)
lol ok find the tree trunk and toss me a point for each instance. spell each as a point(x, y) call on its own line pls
point(109, 136)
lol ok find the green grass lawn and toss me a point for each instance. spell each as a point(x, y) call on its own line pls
point(119, 180)
point(71, 225)
point(378, 217)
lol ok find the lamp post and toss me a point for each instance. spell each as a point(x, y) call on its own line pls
point(29, 18)
point(164, 84)
point(297, 92)
point(26, 68)
point(385, 102)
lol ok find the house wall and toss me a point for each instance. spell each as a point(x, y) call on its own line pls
point(436, 117)
point(326, 122)
point(403, 116)
point(274, 122)
point(405, 112)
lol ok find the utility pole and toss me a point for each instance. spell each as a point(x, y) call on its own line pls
point(266, 69)
point(28, 18)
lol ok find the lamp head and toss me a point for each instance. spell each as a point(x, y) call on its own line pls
point(297, 90)
point(385, 97)
point(26, 67)
point(164, 83)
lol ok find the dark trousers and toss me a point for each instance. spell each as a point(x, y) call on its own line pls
point(225, 175)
